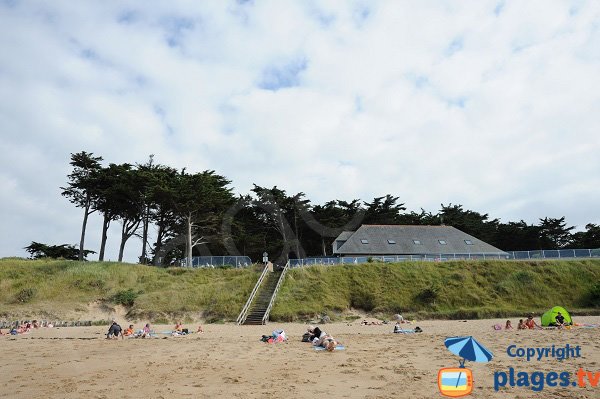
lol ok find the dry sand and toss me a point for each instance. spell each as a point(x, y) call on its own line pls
point(230, 361)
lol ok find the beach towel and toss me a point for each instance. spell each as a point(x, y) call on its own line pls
point(337, 348)
point(404, 331)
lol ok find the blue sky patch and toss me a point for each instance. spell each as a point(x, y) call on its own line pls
point(279, 77)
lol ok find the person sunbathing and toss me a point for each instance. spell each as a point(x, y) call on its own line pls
point(508, 325)
point(522, 325)
point(327, 342)
point(178, 326)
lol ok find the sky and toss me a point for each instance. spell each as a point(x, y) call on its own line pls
point(494, 105)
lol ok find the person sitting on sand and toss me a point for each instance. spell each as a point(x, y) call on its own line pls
point(199, 330)
point(114, 331)
point(36, 324)
point(508, 325)
point(560, 320)
point(522, 325)
point(146, 331)
point(129, 332)
point(315, 332)
point(531, 324)
point(178, 327)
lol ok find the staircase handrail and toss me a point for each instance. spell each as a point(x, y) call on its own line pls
point(244, 313)
point(272, 301)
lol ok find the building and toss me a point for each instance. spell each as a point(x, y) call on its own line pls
point(412, 241)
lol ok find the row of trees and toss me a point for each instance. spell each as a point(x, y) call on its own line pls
point(177, 214)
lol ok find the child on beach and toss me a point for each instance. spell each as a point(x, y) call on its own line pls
point(508, 325)
point(129, 332)
point(200, 330)
point(522, 325)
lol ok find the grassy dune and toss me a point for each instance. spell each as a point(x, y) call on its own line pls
point(469, 289)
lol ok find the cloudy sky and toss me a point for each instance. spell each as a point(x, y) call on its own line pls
point(494, 105)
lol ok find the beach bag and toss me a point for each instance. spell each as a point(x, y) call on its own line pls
point(185, 331)
point(418, 329)
point(306, 337)
point(266, 338)
point(497, 327)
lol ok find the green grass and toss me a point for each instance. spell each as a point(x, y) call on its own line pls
point(462, 289)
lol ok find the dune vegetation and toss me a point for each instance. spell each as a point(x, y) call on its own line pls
point(460, 289)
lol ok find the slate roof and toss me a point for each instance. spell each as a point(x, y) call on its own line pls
point(404, 236)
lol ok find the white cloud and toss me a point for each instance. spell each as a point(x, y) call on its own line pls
point(493, 105)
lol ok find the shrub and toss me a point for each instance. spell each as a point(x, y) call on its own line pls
point(427, 296)
point(125, 298)
point(593, 296)
point(25, 295)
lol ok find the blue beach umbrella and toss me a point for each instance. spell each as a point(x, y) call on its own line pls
point(469, 349)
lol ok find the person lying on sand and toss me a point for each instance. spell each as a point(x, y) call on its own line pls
point(327, 342)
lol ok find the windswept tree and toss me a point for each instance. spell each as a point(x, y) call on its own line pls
point(554, 233)
point(200, 201)
point(65, 251)
point(588, 239)
point(81, 188)
point(383, 210)
point(330, 219)
point(282, 213)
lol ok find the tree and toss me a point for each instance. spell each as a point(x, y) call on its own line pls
point(587, 239)
point(469, 222)
point(200, 200)
point(81, 188)
point(383, 210)
point(554, 233)
point(329, 220)
point(64, 251)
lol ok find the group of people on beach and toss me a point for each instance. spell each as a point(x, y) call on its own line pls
point(115, 331)
point(23, 328)
point(530, 324)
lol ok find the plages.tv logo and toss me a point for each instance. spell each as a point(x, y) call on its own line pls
point(455, 382)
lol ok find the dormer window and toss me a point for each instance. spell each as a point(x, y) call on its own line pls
point(442, 242)
point(417, 242)
point(364, 241)
point(468, 242)
point(391, 241)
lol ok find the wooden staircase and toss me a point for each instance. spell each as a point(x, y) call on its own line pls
point(261, 302)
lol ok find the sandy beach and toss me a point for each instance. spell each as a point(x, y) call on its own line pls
point(230, 361)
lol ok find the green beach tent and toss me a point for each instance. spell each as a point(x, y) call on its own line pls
point(549, 318)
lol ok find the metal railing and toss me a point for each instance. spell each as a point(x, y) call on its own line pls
point(272, 301)
point(509, 255)
point(244, 313)
point(555, 254)
point(217, 261)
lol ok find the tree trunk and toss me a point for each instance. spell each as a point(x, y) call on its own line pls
point(123, 241)
point(145, 223)
point(158, 246)
point(188, 243)
point(86, 213)
point(105, 226)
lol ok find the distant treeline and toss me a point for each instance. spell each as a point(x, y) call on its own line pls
point(178, 214)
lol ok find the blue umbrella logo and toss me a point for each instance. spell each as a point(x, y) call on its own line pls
point(469, 349)
point(457, 382)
